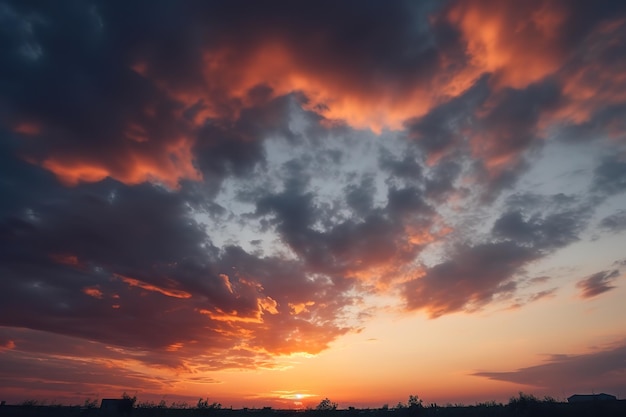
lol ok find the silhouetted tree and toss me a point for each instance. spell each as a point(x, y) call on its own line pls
point(326, 405)
point(206, 405)
point(523, 402)
point(89, 403)
point(126, 405)
point(179, 405)
point(414, 402)
point(400, 405)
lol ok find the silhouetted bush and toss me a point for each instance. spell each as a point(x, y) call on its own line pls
point(89, 403)
point(523, 402)
point(126, 405)
point(414, 402)
point(326, 405)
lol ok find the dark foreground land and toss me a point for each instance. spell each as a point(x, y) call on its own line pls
point(615, 408)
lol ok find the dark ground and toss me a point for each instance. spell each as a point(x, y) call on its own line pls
point(591, 409)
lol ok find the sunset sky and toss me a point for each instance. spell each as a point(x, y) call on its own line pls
point(272, 202)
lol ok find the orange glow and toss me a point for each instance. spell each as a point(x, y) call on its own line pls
point(149, 287)
point(71, 174)
point(174, 347)
point(300, 307)
point(8, 345)
point(220, 315)
point(335, 96)
point(494, 161)
point(65, 259)
point(93, 292)
point(517, 49)
point(265, 304)
point(517, 44)
point(137, 133)
point(27, 128)
point(173, 163)
point(417, 236)
point(226, 282)
point(375, 106)
point(593, 85)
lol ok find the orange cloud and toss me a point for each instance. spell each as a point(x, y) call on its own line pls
point(264, 304)
point(149, 287)
point(297, 308)
point(226, 281)
point(596, 78)
point(73, 173)
point(8, 345)
point(219, 315)
point(174, 347)
point(518, 42)
point(167, 165)
point(93, 292)
point(65, 259)
point(229, 75)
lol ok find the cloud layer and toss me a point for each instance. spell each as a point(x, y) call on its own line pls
point(601, 370)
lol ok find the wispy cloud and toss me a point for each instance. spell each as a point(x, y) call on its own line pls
point(599, 370)
point(598, 283)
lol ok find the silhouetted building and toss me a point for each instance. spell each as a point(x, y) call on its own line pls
point(117, 405)
point(579, 398)
point(111, 404)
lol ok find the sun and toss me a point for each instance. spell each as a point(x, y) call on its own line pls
point(299, 396)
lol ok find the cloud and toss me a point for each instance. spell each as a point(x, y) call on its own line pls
point(373, 247)
point(599, 370)
point(506, 128)
point(475, 274)
point(614, 223)
point(130, 266)
point(610, 176)
point(489, 37)
point(82, 134)
point(597, 283)
point(541, 295)
point(417, 58)
point(471, 278)
point(551, 231)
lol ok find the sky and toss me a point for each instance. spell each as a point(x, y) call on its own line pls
point(270, 203)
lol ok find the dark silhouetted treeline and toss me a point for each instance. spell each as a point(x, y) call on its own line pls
point(524, 405)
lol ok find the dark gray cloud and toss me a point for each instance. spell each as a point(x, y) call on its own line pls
point(614, 223)
point(129, 265)
point(471, 278)
point(597, 283)
point(475, 274)
point(549, 231)
point(407, 168)
point(601, 370)
point(360, 197)
point(442, 179)
point(439, 132)
point(543, 222)
point(610, 177)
